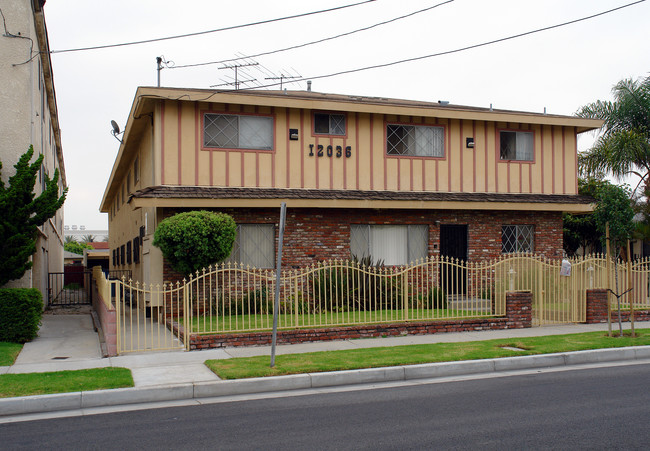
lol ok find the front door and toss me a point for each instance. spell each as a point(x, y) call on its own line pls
point(453, 245)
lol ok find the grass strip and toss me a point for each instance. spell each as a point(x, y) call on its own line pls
point(9, 352)
point(27, 384)
point(312, 362)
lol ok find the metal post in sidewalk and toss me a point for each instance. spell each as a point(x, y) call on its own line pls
point(278, 268)
point(630, 285)
point(609, 280)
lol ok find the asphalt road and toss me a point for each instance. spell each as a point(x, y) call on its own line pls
point(605, 408)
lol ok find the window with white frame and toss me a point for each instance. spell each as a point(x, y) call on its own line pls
point(394, 244)
point(415, 140)
point(231, 131)
point(517, 238)
point(329, 124)
point(254, 245)
point(516, 146)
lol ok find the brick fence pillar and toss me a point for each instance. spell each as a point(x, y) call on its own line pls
point(107, 321)
point(596, 305)
point(519, 309)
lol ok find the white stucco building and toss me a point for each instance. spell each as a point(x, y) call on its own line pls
point(29, 117)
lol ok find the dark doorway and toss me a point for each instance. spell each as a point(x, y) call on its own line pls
point(453, 244)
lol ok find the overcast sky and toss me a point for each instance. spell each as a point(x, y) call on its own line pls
point(559, 69)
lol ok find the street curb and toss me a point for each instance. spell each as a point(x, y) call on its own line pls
point(122, 396)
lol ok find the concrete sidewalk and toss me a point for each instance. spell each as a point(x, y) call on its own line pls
point(69, 342)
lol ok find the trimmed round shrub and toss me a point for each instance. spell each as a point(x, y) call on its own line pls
point(193, 240)
point(21, 310)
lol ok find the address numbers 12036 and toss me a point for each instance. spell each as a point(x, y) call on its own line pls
point(330, 151)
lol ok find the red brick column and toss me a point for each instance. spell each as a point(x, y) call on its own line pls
point(108, 319)
point(519, 309)
point(596, 306)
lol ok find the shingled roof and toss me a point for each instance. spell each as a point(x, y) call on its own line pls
point(213, 192)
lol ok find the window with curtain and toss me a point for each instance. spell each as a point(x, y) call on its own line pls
point(231, 131)
point(394, 244)
point(516, 146)
point(254, 246)
point(415, 140)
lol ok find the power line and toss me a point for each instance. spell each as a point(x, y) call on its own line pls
point(198, 33)
point(538, 30)
point(462, 49)
point(293, 47)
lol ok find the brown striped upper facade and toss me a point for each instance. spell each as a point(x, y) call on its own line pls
point(308, 140)
point(198, 148)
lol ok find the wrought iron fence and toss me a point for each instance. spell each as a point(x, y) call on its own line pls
point(71, 287)
point(233, 298)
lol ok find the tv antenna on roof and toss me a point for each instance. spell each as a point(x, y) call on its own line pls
point(116, 130)
point(282, 77)
point(236, 67)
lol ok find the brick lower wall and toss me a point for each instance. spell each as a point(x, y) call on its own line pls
point(108, 320)
point(597, 309)
point(313, 235)
point(518, 316)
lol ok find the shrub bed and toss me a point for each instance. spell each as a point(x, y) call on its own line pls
point(21, 310)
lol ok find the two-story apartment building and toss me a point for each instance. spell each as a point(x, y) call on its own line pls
point(394, 179)
point(29, 117)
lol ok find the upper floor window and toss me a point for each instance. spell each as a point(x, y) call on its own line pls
point(516, 145)
point(329, 124)
point(231, 131)
point(415, 140)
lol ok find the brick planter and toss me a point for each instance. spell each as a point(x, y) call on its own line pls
point(518, 316)
point(597, 309)
point(108, 321)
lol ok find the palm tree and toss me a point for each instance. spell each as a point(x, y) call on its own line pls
point(88, 238)
point(623, 144)
point(69, 239)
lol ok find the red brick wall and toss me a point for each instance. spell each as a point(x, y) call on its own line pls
point(597, 309)
point(322, 234)
point(108, 320)
point(518, 316)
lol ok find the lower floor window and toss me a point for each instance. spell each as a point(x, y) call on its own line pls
point(394, 244)
point(517, 238)
point(254, 245)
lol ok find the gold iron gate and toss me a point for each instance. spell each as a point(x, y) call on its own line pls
point(149, 318)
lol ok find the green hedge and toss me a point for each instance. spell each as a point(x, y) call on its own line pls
point(193, 240)
point(21, 310)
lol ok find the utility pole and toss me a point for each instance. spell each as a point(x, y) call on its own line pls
point(159, 67)
point(278, 269)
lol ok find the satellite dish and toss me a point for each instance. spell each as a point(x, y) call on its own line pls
point(116, 130)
